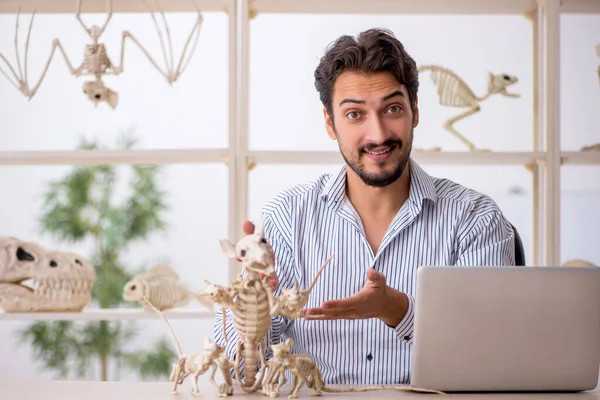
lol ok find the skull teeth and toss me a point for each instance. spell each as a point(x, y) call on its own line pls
point(61, 288)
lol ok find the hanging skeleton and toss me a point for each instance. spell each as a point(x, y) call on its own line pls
point(96, 62)
point(454, 92)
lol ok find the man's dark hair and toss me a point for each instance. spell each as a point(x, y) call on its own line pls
point(374, 50)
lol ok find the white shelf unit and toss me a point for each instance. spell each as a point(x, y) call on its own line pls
point(111, 314)
point(544, 161)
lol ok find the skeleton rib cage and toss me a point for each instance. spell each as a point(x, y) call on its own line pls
point(451, 89)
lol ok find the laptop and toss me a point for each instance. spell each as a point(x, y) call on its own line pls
point(496, 329)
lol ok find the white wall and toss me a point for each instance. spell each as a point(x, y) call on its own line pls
point(285, 115)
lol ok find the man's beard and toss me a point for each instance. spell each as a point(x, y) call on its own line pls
point(382, 178)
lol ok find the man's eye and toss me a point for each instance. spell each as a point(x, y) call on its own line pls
point(353, 114)
point(394, 109)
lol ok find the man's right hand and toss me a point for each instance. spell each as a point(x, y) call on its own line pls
point(248, 228)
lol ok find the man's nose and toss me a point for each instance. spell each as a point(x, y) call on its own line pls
point(377, 131)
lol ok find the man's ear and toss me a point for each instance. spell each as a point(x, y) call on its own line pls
point(416, 113)
point(329, 124)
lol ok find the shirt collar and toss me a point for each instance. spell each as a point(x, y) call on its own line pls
point(421, 186)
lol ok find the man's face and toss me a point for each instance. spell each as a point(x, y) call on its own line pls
point(373, 124)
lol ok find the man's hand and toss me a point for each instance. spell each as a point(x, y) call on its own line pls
point(374, 300)
point(248, 228)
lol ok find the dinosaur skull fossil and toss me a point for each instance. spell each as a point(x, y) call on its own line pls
point(499, 83)
point(253, 250)
point(33, 278)
point(97, 92)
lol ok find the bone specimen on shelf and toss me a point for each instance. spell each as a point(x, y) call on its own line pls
point(161, 286)
point(454, 92)
point(96, 62)
point(33, 278)
point(577, 262)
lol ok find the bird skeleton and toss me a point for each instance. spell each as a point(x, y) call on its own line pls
point(96, 62)
point(454, 92)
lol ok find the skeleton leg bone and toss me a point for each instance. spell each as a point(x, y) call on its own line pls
point(171, 74)
point(21, 81)
point(448, 125)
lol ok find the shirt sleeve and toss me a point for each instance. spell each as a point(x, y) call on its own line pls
point(404, 330)
point(487, 240)
point(284, 268)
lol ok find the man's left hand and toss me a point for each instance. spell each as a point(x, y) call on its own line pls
point(374, 300)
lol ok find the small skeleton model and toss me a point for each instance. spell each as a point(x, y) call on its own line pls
point(306, 372)
point(96, 62)
point(292, 300)
point(198, 363)
point(252, 302)
point(454, 92)
point(160, 285)
point(35, 279)
point(578, 263)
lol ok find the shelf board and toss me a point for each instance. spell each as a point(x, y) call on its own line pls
point(394, 6)
point(580, 157)
point(580, 7)
point(99, 6)
point(307, 6)
point(114, 314)
point(113, 157)
point(422, 157)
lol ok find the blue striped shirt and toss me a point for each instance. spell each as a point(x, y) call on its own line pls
point(441, 223)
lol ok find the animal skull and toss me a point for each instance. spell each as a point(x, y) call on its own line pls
point(253, 250)
point(33, 278)
point(97, 92)
point(499, 83)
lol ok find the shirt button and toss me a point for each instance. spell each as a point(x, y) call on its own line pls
point(370, 357)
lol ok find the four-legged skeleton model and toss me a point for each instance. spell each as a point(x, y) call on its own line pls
point(96, 62)
point(454, 92)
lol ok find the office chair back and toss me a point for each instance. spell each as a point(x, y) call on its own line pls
point(519, 251)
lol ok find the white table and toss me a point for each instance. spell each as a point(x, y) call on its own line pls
point(81, 390)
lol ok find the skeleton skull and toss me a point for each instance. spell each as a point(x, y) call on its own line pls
point(255, 253)
point(97, 92)
point(36, 279)
point(499, 83)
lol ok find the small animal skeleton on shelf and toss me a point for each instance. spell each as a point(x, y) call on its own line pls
point(36, 279)
point(161, 286)
point(454, 92)
point(96, 62)
point(577, 262)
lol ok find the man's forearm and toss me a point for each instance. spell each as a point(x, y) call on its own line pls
point(395, 308)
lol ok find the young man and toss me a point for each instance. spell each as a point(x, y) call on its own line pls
point(381, 215)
